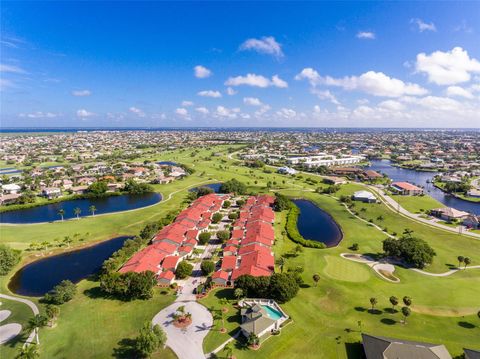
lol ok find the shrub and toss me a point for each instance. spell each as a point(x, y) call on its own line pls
point(202, 191)
point(223, 235)
point(217, 217)
point(184, 269)
point(207, 267)
point(281, 202)
point(232, 216)
point(61, 293)
point(8, 258)
point(130, 285)
point(204, 237)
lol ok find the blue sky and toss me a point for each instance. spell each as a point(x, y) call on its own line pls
point(319, 64)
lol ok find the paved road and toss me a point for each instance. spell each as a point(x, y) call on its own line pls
point(395, 206)
point(32, 306)
point(187, 343)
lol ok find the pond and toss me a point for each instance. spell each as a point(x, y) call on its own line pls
point(49, 212)
point(316, 224)
point(423, 179)
point(37, 278)
point(167, 163)
point(214, 186)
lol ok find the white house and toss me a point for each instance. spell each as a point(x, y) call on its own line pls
point(11, 188)
point(287, 171)
point(364, 196)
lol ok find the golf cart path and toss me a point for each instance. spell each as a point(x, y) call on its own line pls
point(32, 306)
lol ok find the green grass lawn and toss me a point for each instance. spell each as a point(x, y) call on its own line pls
point(325, 318)
point(21, 313)
point(418, 204)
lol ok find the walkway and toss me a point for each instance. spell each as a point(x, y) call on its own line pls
point(187, 343)
point(32, 306)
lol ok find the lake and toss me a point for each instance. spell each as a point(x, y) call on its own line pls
point(167, 163)
point(214, 186)
point(37, 278)
point(316, 224)
point(423, 179)
point(49, 212)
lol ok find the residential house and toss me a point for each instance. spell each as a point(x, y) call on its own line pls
point(405, 188)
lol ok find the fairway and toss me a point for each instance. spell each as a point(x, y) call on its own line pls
point(342, 269)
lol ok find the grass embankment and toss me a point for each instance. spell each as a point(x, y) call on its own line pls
point(417, 204)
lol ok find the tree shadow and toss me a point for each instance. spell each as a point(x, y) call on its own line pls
point(224, 293)
point(354, 350)
point(450, 265)
point(125, 349)
point(95, 293)
point(390, 310)
point(388, 321)
point(360, 309)
point(375, 311)
point(305, 285)
point(466, 325)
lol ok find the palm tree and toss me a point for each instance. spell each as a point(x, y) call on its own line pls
point(228, 349)
point(406, 312)
point(36, 322)
point(238, 293)
point(92, 209)
point(61, 213)
point(77, 212)
point(67, 240)
point(394, 301)
point(224, 303)
point(281, 262)
point(461, 259)
point(28, 351)
point(316, 278)
point(407, 301)
point(33, 246)
point(52, 312)
point(373, 302)
point(45, 246)
point(407, 232)
point(467, 261)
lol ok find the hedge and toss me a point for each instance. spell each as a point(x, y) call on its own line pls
point(294, 234)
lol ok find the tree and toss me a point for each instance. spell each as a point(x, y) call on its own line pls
point(232, 216)
point(467, 261)
point(92, 209)
point(184, 269)
point(67, 240)
point(283, 287)
point(35, 323)
point(238, 293)
point(233, 186)
point(150, 339)
point(77, 212)
point(204, 237)
point(373, 302)
point(460, 260)
point(281, 262)
point(226, 204)
point(9, 258)
point(133, 187)
point(217, 217)
point(228, 350)
point(411, 250)
point(393, 301)
point(52, 312)
point(61, 213)
point(281, 203)
point(406, 312)
point(207, 267)
point(28, 351)
point(253, 340)
point(407, 301)
point(223, 235)
point(61, 293)
point(316, 278)
point(298, 249)
point(204, 190)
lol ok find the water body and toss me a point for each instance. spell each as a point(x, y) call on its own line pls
point(37, 278)
point(214, 186)
point(49, 212)
point(167, 163)
point(316, 224)
point(423, 179)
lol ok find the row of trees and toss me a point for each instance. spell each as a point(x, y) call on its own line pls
point(279, 286)
point(394, 301)
point(463, 260)
point(9, 258)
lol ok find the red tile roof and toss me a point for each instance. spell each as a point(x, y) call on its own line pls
point(170, 262)
point(229, 262)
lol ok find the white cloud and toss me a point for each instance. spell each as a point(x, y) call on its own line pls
point(187, 103)
point(447, 68)
point(391, 105)
point(209, 93)
point(266, 45)
point(366, 35)
point(182, 112)
point(423, 26)
point(230, 91)
point(201, 72)
point(81, 93)
point(325, 95)
point(202, 110)
point(371, 82)
point(256, 81)
point(5, 84)
point(252, 101)
point(82, 113)
point(38, 114)
point(463, 27)
point(12, 69)
point(225, 112)
point(459, 92)
point(137, 111)
point(286, 113)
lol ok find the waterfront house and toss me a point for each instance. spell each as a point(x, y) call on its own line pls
point(11, 188)
point(405, 188)
point(364, 196)
point(448, 213)
point(51, 192)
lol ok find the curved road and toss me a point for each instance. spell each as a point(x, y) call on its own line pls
point(32, 306)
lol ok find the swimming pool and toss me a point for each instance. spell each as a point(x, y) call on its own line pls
point(272, 313)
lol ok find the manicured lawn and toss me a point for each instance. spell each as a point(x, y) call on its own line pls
point(418, 204)
point(340, 269)
point(21, 313)
point(91, 326)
